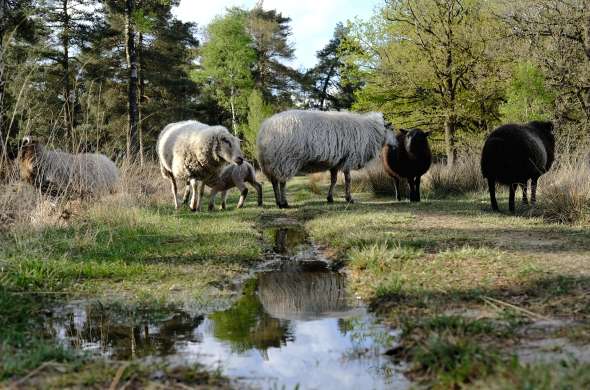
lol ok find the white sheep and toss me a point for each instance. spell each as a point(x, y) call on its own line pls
point(313, 141)
point(195, 153)
point(60, 173)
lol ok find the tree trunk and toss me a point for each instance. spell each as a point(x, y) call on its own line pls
point(3, 122)
point(451, 149)
point(141, 94)
point(450, 85)
point(325, 87)
point(233, 110)
point(132, 139)
point(65, 62)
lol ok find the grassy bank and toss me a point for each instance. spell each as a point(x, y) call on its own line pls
point(473, 291)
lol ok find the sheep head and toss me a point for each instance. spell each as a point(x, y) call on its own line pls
point(415, 140)
point(228, 149)
point(28, 159)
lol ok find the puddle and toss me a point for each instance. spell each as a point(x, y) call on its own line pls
point(294, 325)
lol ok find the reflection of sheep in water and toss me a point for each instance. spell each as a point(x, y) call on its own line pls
point(302, 295)
point(194, 152)
point(56, 172)
point(513, 154)
point(312, 141)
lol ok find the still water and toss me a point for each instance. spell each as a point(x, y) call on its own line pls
point(294, 325)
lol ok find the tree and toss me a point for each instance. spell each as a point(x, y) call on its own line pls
point(427, 64)
point(227, 60)
point(258, 111)
point(527, 95)
point(332, 82)
point(68, 23)
point(269, 31)
point(16, 24)
point(131, 55)
point(557, 34)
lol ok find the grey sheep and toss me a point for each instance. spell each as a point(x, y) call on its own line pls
point(513, 154)
point(312, 141)
point(195, 153)
point(235, 176)
point(60, 173)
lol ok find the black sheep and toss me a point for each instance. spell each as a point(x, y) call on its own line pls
point(513, 154)
point(410, 159)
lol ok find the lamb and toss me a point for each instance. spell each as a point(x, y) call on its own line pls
point(195, 153)
point(313, 141)
point(235, 176)
point(59, 173)
point(515, 153)
point(410, 160)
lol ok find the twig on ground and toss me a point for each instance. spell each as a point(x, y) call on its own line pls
point(517, 308)
point(118, 376)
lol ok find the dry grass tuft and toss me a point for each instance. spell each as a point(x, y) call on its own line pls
point(23, 205)
point(371, 178)
point(462, 178)
point(564, 192)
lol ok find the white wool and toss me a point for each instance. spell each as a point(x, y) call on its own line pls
point(192, 149)
point(313, 141)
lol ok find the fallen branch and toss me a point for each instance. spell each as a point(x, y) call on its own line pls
point(529, 313)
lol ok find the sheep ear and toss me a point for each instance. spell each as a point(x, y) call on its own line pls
point(27, 140)
point(403, 131)
point(427, 133)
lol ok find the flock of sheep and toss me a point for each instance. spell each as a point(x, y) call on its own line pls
point(289, 143)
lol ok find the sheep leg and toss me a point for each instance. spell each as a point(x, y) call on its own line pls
point(511, 198)
point(174, 189)
point(277, 190)
point(398, 193)
point(212, 199)
point(282, 188)
point(525, 187)
point(417, 186)
point(347, 182)
point(258, 187)
point(333, 179)
point(412, 185)
point(166, 173)
point(201, 192)
point(492, 189)
point(223, 200)
point(193, 185)
point(534, 190)
point(187, 193)
point(243, 194)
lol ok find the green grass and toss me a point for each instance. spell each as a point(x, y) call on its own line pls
point(426, 268)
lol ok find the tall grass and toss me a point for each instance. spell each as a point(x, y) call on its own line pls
point(462, 178)
point(564, 192)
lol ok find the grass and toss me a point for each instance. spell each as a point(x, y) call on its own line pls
point(464, 284)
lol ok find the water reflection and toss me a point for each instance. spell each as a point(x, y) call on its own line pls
point(293, 325)
point(122, 334)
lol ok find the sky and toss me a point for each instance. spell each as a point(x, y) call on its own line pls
point(312, 21)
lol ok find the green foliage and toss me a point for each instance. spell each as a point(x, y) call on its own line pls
point(527, 95)
point(227, 59)
point(258, 110)
point(425, 71)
